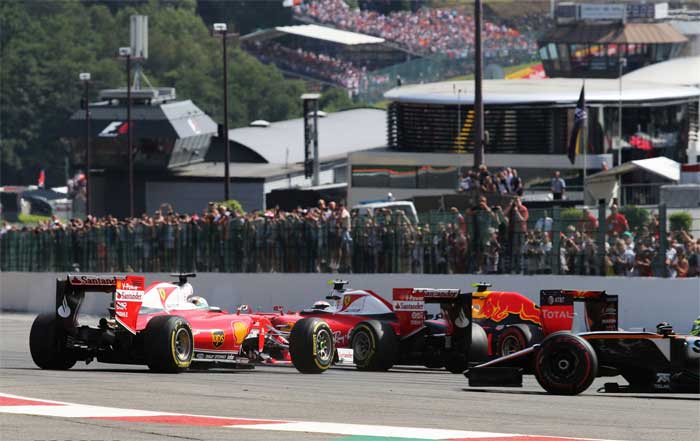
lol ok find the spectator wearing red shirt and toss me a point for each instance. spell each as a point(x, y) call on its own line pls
point(588, 223)
point(617, 222)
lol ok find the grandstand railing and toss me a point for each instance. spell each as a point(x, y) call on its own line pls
point(550, 242)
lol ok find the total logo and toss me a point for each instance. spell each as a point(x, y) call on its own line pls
point(557, 314)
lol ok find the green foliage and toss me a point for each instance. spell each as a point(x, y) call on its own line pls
point(32, 218)
point(233, 205)
point(636, 216)
point(46, 44)
point(680, 221)
point(334, 99)
point(570, 216)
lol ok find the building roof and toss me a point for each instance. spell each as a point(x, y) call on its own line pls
point(176, 119)
point(339, 134)
point(316, 32)
point(555, 91)
point(237, 170)
point(582, 33)
point(686, 27)
point(660, 166)
point(678, 71)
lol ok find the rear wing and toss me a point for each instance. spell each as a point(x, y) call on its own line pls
point(557, 310)
point(127, 293)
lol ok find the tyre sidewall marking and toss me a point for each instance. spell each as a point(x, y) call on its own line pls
point(314, 341)
point(178, 362)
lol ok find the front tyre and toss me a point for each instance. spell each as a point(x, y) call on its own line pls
point(168, 344)
point(374, 346)
point(565, 364)
point(311, 346)
point(47, 343)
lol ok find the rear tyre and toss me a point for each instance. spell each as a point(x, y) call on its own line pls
point(511, 340)
point(374, 346)
point(311, 346)
point(565, 364)
point(47, 343)
point(168, 343)
point(478, 351)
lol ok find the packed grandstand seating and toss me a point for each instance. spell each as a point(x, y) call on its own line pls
point(308, 63)
point(430, 30)
point(482, 239)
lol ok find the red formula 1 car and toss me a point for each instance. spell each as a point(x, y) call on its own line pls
point(381, 334)
point(567, 363)
point(399, 332)
point(164, 326)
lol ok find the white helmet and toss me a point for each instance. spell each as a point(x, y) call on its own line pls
point(199, 302)
point(321, 304)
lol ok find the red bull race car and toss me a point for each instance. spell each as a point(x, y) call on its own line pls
point(566, 363)
point(164, 326)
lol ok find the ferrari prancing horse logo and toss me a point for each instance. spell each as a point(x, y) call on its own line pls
point(217, 337)
point(162, 293)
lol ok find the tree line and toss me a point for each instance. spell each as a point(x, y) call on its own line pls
point(45, 45)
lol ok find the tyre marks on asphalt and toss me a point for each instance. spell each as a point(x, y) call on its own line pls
point(14, 404)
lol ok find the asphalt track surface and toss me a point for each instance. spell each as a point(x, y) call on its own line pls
point(401, 397)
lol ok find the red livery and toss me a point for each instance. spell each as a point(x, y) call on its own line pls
point(163, 325)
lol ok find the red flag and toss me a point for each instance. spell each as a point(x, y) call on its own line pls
point(42, 177)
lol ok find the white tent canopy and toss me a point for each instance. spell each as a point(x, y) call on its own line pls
point(604, 185)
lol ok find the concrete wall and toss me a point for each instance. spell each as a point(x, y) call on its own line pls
point(644, 302)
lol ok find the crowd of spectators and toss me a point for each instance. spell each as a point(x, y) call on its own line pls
point(427, 30)
point(312, 64)
point(501, 238)
point(504, 182)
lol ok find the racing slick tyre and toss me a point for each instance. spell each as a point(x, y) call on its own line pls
point(168, 344)
point(47, 343)
point(311, 346)
point(374, 346)
point(478, 351)
point(512, 339)
point(565, 364)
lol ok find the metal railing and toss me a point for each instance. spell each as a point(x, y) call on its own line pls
point(493, 241)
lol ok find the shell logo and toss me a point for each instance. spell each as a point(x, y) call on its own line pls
point(240, 330)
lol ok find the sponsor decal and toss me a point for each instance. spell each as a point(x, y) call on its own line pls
point(348, 300)
point(240, 330)
point(92, 280)
point(64, 310)
point(218, 337)
point(114, 129)
point(557, 314)
point(663, 381)
point(129, 294)
point(462, 321)
point(162, 294)
point(498, 306)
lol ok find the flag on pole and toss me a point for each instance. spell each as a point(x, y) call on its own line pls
point(576, 138)
point(42, 178)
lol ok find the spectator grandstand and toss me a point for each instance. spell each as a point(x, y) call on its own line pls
point(430, 30)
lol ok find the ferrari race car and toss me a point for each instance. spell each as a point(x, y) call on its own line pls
point(400, 333)
point(382, 334)
point(566, 363)
point(164, 326)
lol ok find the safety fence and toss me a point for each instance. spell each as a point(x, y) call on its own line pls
point(493, 240)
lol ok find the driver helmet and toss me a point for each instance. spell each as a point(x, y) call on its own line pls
point(321, 304)
point(199, 302)
point(696, 327)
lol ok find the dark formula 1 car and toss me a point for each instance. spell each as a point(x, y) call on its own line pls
point(567, 363)
point(382, 334)
point(163, 326)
